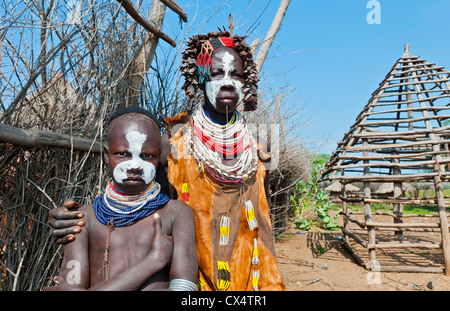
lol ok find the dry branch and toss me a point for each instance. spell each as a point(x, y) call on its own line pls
point(129, 7)
point(32, 138)
point(176, 8)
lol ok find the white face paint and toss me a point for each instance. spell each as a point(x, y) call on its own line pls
point(135, 142)
point(213, 86)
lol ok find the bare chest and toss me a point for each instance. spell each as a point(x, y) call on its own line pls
point(120, 247)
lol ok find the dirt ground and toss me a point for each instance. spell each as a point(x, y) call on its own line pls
point(317, 261)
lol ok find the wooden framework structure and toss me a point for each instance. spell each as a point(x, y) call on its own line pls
point(401, 136)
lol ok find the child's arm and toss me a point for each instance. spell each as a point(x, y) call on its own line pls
point(74, 272)
point(184, 264)
point(130, 279)
point(136, 276)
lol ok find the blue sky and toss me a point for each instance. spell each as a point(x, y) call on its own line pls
point(341, 58)
point(344, 58)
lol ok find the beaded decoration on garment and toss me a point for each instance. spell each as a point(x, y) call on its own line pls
point(211, 142)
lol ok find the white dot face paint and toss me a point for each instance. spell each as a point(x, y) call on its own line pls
point(213, 87)
point(135, 142)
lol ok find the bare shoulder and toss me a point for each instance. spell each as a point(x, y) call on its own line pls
point(88, 211)
point(176, 214)
point(178, 207)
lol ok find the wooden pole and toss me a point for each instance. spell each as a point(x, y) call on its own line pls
point(368, 213)
point(439, 189)
point(443, 219)
point(33, 138)
point(345, 211)
point(398, 208)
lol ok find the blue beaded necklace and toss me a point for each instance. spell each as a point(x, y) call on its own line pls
point(122, 213)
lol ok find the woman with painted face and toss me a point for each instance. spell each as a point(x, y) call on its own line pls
point(135, 237)
point(224, 90)
point(217, 167)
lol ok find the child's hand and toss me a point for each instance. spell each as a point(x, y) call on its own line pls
point(162, 244)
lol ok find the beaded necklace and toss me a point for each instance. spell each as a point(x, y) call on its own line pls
point(117, 209)
point(211, 142)
point(125, 209)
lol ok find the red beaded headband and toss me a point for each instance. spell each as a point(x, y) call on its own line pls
point(204, 58)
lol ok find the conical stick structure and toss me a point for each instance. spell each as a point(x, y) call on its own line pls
point(402, 135)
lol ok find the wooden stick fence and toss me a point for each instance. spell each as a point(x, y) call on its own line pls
point(401, 136)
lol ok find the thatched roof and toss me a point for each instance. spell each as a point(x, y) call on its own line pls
point(389, 188)
point(52, 107)
point(337, 187)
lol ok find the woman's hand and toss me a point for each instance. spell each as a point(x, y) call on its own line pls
point(66, 221)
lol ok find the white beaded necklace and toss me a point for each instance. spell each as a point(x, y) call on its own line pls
point(123, 203)
point(234, 132)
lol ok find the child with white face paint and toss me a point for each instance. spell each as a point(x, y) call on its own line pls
point(135, 142)
point(137, 238)
point(132, 152)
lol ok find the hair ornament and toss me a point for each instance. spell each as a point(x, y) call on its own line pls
point(204, 58)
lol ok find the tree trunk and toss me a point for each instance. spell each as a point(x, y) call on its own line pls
point(271, 33)
point(144, 56)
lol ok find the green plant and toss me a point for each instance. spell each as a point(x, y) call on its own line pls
point(321, 250)
point(303, 223)
point(311, 204)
